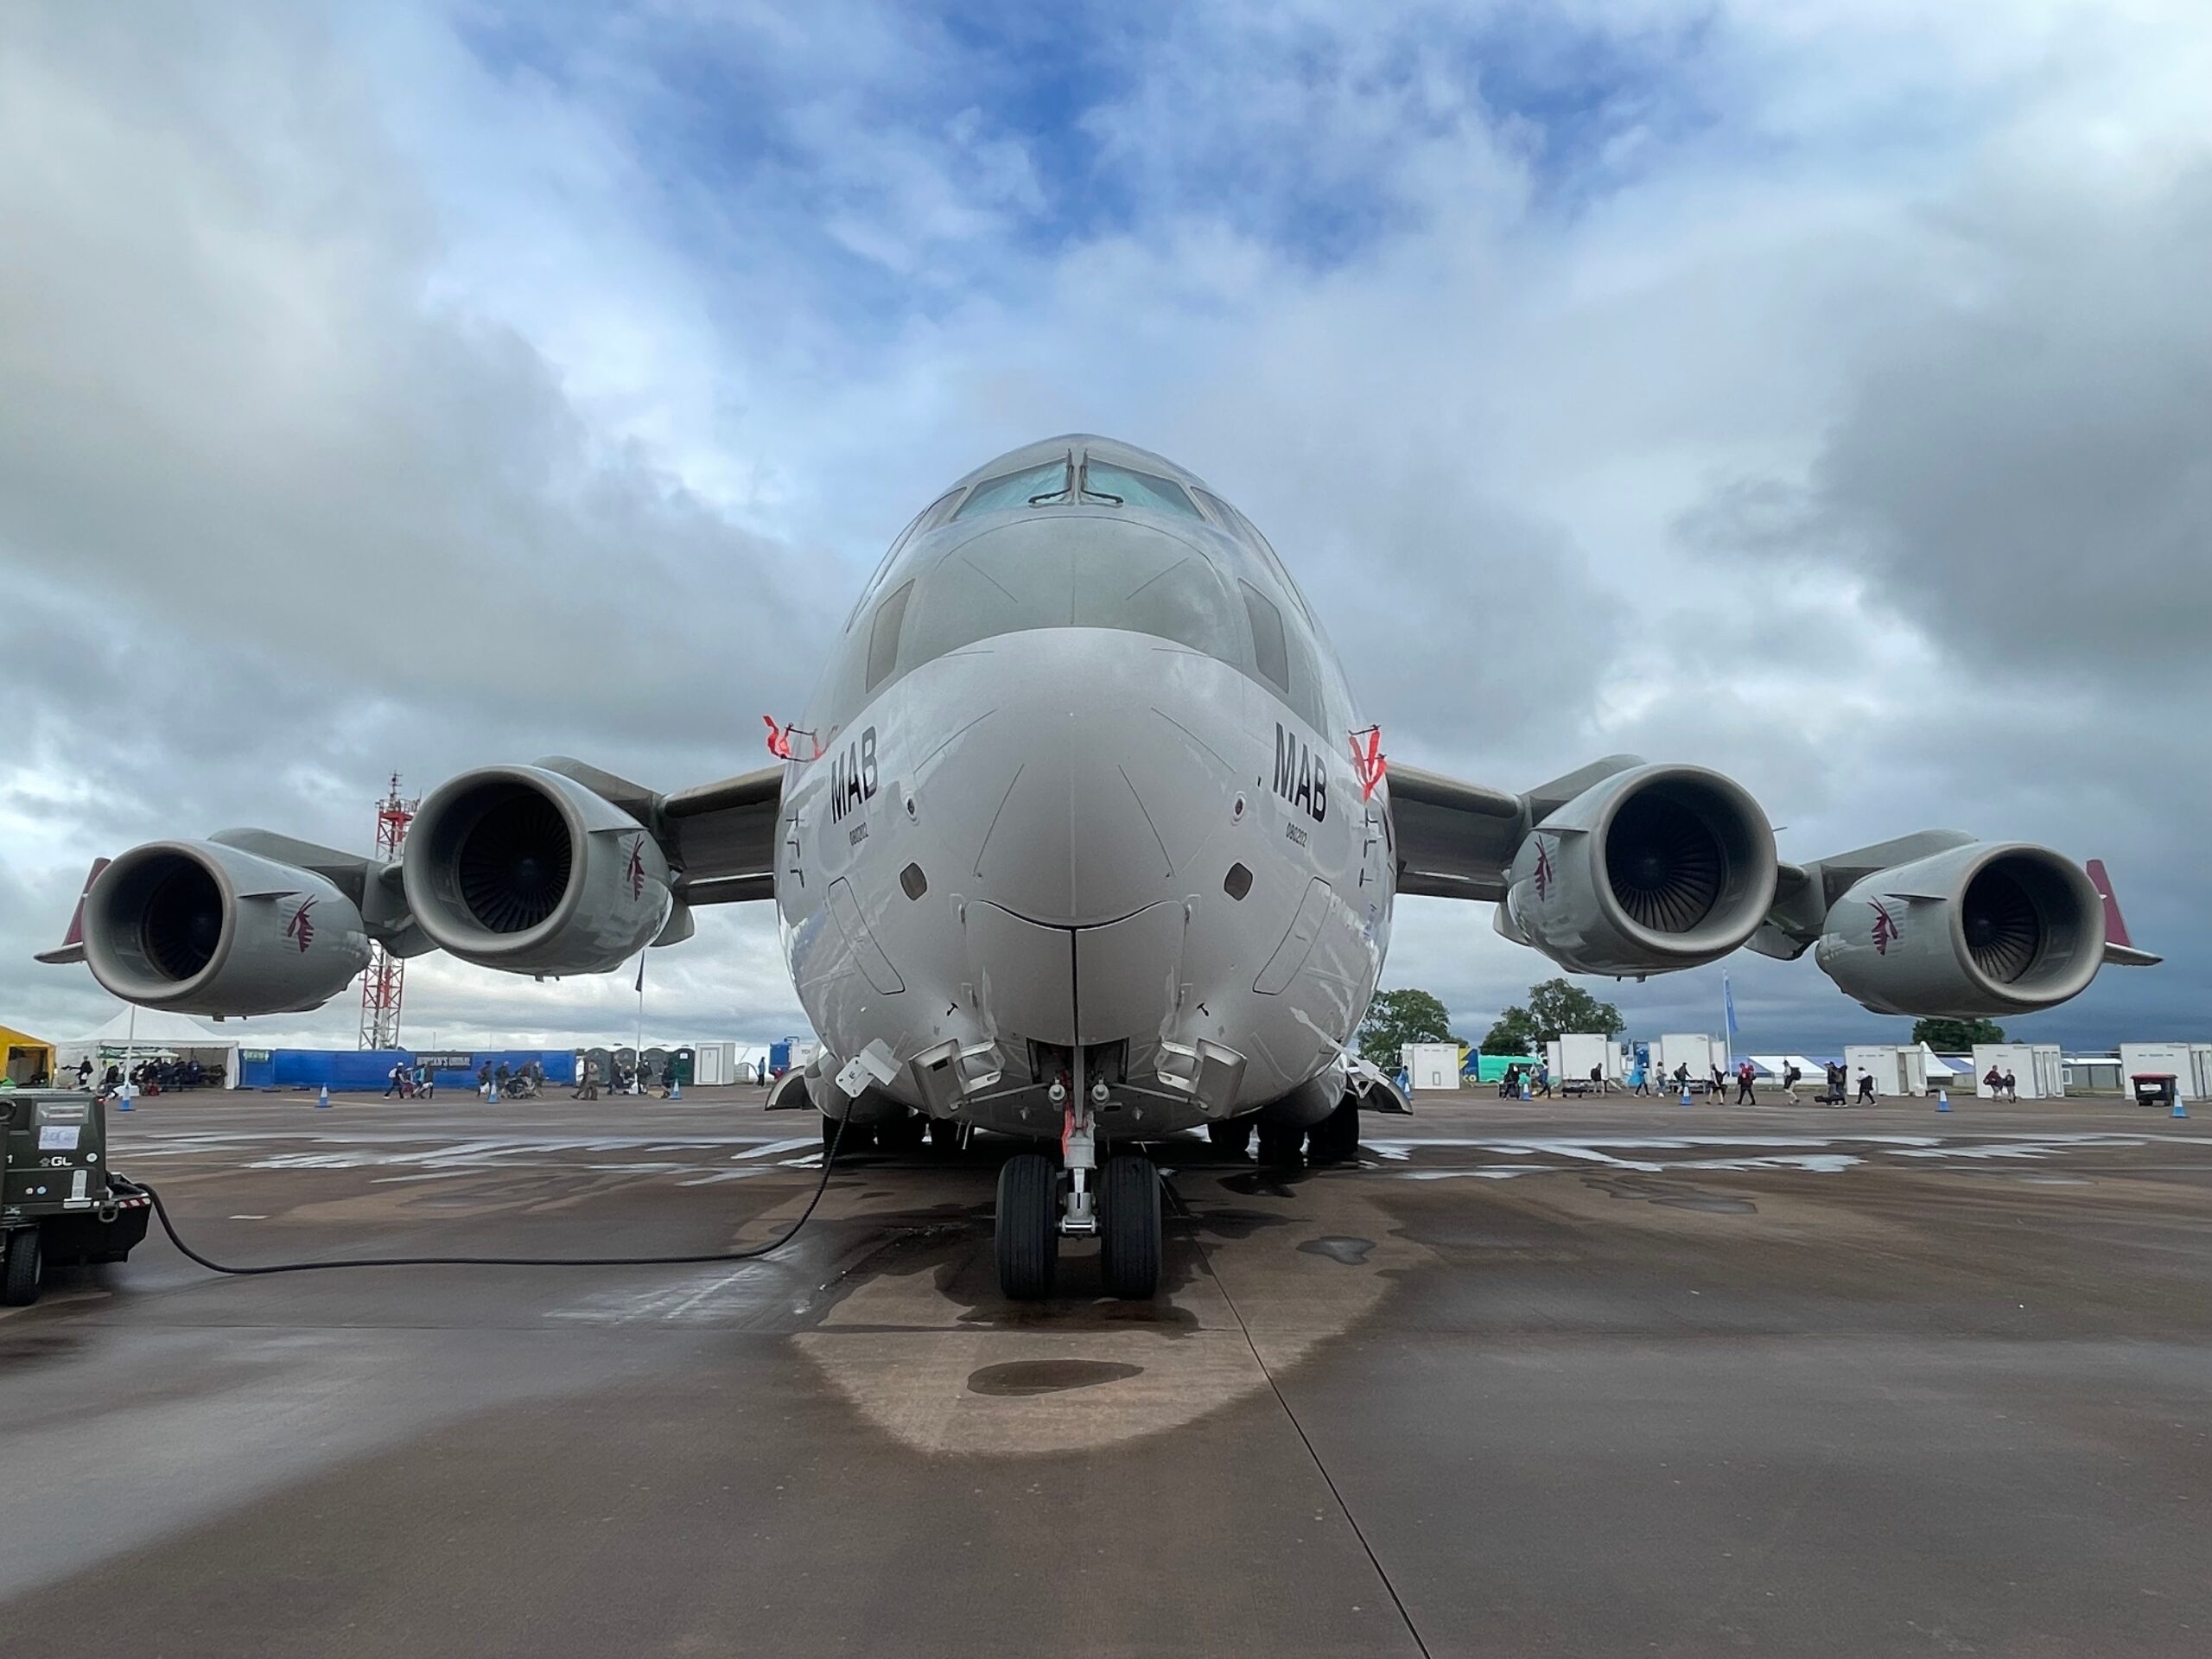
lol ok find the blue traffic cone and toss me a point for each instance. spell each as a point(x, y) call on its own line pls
point(2180, 1110)
point(322, 1100)
point(675, 1089)
point(1686, 1094)
point(122, 1100)
point(1942, 1099)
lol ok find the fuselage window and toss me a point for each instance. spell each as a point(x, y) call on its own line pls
point(1270, 651)
point(1126, 486)
point(937, 512)
point(1032, 486)
point(883, 640)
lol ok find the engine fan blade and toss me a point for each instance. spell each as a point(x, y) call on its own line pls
point(514, 865)
point(1664, 863)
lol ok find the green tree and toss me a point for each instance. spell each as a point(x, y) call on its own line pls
point(1956, 1036)
point(1553, 1006)
point(1396, 1018)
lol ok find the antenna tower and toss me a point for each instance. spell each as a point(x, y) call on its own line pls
point(386, 978)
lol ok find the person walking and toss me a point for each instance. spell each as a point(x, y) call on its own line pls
point(1866, 1088)
point(1639, 1079)
point(1543, 1089)
point(426, 1082)
point(484, 1080)
point(588, 1089)
point(84, 1072)
point(393, 1084)
point(2012, 1084)
point(1744, 1094)
point(1717, 1084)
point(1791, 1075)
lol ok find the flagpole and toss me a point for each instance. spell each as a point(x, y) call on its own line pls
point(1727, 1020)
point(637, 1071)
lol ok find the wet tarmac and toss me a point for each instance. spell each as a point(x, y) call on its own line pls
point(1587, 1378)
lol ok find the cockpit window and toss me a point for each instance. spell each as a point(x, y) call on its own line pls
point(1032, 486)
point(1270, 650)
point(883, 638)
point(1126, 486)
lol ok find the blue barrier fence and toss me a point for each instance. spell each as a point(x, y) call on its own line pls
point(359, 1070)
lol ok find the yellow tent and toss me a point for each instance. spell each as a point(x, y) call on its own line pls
point(28, 1058)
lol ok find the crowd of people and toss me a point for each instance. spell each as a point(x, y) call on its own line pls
point(158, 1075)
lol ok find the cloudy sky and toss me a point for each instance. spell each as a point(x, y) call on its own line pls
point(1820, 390)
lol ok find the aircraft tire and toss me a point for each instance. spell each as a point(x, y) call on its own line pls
point(25, 1266)
point(1128, 1243)
point(1232, 1134)
point(1278, 1147)
point(1335, 1139)
point(1027, 1234)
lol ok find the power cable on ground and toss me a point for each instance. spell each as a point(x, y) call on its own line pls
point(829, 1161)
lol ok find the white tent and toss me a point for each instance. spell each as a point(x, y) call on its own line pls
point(147, 1031)
point(1939, 1069)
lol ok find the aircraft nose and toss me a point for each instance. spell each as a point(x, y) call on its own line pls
point(1107, 792)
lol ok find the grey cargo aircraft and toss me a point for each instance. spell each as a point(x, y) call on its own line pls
point(1083, 839)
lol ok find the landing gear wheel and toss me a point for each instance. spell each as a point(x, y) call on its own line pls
point(1278, 1147)
point(26, 1262)
point(1027, 1239)
point(857, 1138)
point(946, 1137)
point(1335, 1139)
point(1232, 1135)
point(1129, 1221)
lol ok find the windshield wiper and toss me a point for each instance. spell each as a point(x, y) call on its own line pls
point(1084, 491)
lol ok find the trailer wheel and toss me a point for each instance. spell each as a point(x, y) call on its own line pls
point(25, 1265)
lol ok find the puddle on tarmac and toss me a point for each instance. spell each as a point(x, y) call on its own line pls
point(1019, 1378)
point(1350, 1251)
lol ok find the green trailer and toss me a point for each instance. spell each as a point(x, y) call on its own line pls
point(60, 1205)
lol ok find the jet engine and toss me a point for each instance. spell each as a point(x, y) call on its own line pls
point(524, 869)
point(1652, 869)
point(1986, 929)
point(198, 927)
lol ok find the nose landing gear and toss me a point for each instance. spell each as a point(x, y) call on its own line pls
point(1034, 1209)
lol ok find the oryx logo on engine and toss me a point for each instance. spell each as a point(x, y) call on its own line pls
point(1887, 930)
point(301, 927)
point(635, 873)
point(1547, 879)
point(1302, 777)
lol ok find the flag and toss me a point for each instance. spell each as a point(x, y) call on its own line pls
point(1727, 1001)
point(641, 973)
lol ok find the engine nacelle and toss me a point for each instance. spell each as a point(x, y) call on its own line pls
point(523, 869)
point(1651, 870)
point(197, 927)
point(1987, 928)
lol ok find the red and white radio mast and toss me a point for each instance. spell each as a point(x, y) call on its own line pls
point(382, 985)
